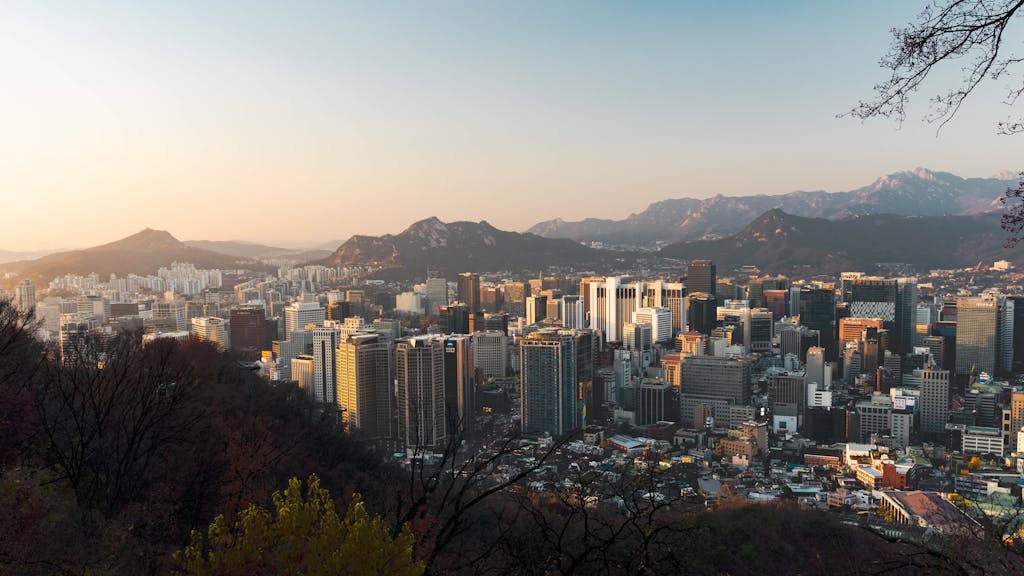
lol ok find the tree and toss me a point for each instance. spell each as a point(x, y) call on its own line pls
point(302, 535)
point(971, 32)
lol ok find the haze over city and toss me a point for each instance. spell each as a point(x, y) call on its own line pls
point(303, 123)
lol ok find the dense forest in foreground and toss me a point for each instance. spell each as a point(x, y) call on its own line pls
point(176, 459)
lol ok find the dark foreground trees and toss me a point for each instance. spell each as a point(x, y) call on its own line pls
point(978, 36)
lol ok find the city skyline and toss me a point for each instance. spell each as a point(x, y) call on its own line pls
point(364, 119)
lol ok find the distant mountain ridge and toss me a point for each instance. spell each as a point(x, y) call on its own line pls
point(918, 192)
point(141, 253)
point(460, 247)
point(256, 251)
point(781, 242)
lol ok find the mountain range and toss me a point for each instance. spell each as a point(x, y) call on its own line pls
point(255, 251)
point(141, 253)
point(462, 247)
point(919, 192)
point(781, 242)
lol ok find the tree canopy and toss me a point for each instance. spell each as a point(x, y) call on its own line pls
point(303, 534)
point(974, 34)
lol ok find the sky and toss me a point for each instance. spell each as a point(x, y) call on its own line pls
point(297, 123)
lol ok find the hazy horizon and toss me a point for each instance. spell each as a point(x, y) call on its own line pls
point(298, 124)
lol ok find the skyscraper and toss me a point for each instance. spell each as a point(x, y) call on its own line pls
point(247, 326)
point(721, 380)
point(305, 311)
point(469, 290)
point(419, 377)
point(702, 277)
point(976, 330)
point(549, 398)
point(536, 309)
point(364, 382)
point(1018, 328)
point(1004, 336)
point(671, 295)
point(612, 304)
point(572, 312)
point(778, 302)
point(302, 372)
point(459, 397)
point(815, 368)
point(325, 364)
point(25, 296)
point(893, 300)
point(703, 312)
point(490, 353)
point(818, 312)
point(934, 400)
point(212, 329)
point(454, 318)
point(660, 320)
point(514, 295)
point(638, 338)
point(437, 294)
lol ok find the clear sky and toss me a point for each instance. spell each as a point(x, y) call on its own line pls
point(301, 122)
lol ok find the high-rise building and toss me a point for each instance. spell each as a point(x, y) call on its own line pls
point(934, 407)
point(778, 302)
point(212, 329)
point(514, 295)
point(469, 290)
point(787, 396)
point(976, 331)
point(671, 295)
point(612, 304)
point(454, 318)
point(638, 338)
point(364, 384)
point(815, 367)
point(701, 276)
point(660, 320)
point(73, 336)
point(437, 294)
point(302, 313)
point(490, 299)
point(894, 301)
point(1004, 336)
point(419, 376)
point(549, 397)
point(718, 376)
point(722, 380)
point(25, 296)
point(758, 287)
point(585, 292)
point(1016, 421)
point(758, 330)
point(846, 282)
point(325, 364)
point(536, 309)
point(851, 329)
point(1018, 329)
point(167, 315)
point(573, 316)
point(702, 312)
point(691, 343)
point(302, 372)
point(818, 312)
point(459, 397)
point(490, 353)
point(247, 326)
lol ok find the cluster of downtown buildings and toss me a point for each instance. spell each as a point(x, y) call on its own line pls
point(724, 369)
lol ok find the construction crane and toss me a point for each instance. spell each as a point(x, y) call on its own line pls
point(975, 273)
